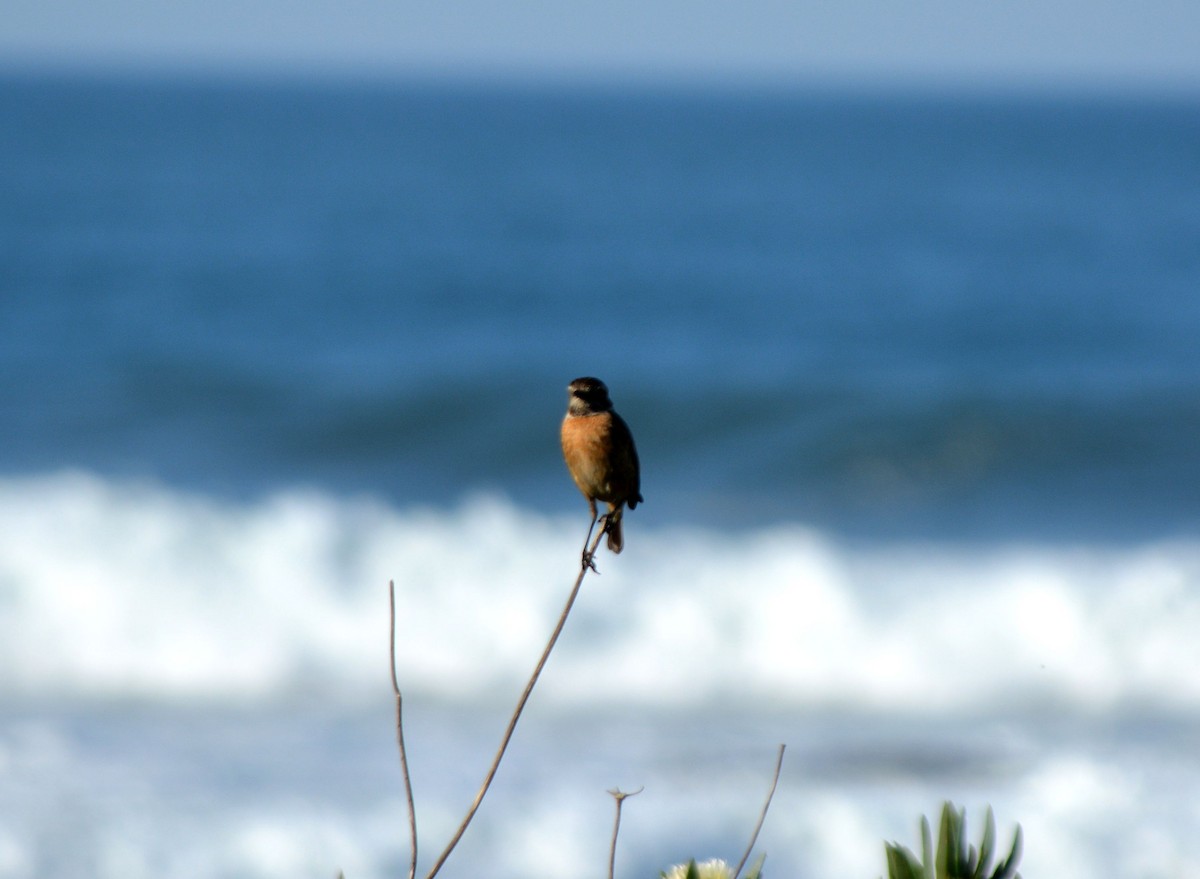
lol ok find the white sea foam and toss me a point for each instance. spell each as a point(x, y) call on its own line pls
point(114, 588)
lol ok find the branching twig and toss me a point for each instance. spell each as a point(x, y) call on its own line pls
point(762, 815)
point(620, 797)
point(512, 724)
point(412, 815)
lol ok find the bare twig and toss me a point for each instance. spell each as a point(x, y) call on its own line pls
point(587, 559)
point(412, 814)
point(620, 797)
point(762, 815)
point(512, 723)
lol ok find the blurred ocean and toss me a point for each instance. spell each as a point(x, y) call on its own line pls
point(915, 382)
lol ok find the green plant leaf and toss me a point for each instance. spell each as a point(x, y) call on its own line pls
point(947, 843)
point(756, 867)
point(927, 865)
point(902, 864)
point(1008, 869)
point(986, 845)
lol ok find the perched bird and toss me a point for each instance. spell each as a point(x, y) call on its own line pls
point(600, 454)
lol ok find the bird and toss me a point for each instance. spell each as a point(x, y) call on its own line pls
point(601, 457)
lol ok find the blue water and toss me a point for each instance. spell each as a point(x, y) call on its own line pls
point(914, 380)
point(914, 315)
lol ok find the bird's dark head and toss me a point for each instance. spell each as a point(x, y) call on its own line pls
point(588, 395)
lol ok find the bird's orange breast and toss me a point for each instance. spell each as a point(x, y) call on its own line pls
point(587, 449)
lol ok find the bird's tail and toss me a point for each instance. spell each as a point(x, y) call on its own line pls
point(612, 524)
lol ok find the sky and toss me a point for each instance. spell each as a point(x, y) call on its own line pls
point(1118, 42)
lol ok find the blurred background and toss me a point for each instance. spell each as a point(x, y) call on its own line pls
point(900, 301)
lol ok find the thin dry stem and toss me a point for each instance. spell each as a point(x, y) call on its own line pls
point(512, 724)
point(620, 796)
point(412, 814)
point(762, 815)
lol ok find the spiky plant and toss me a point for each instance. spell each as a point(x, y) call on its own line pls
point(955, 859)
